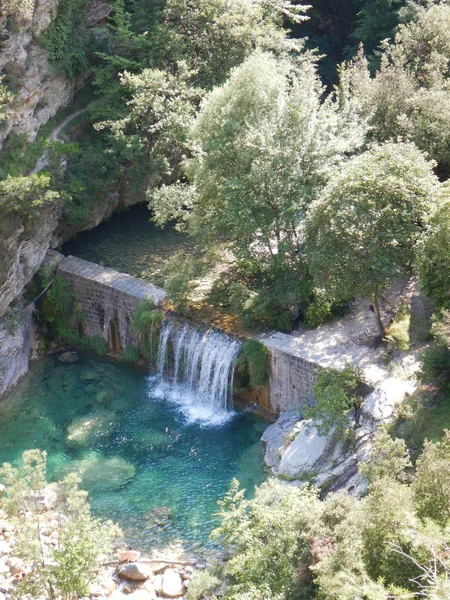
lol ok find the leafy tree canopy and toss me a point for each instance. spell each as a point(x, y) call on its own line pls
point(364, 229)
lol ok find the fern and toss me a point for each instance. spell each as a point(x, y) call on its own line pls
point(257, 362)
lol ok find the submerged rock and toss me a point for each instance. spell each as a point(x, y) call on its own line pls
point(90, 376)
point(68, 358)
point(160, 516)
point(100, 472)
point(85, 430)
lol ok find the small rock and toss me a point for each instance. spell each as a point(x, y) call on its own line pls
point(134, 571)
point(89, 376)
point(68, 358)
point(172, 584)
point(158, 584)
point(160, 516)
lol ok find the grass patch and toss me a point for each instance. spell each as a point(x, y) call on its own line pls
point(398, 331)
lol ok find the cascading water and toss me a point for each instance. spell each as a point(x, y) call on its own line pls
point(196, 370)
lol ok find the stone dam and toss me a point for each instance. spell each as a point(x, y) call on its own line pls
point(109, 298)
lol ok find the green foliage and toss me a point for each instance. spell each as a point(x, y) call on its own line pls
point(287, 543)
point(27, 197)
point(408, 98)
point(436, 367)
point(130, 354)
point(60, 297)
point(434, 266)
point(257, 362)
point(279, 523)
point(6, 98)
point(266, 136)
point(82, 544)
point(144, 325)
point(213, 36)
point(205, 584)
point(432, 482)
point(364, 229)
point(66, 39)
point(180, 274)
point(398, 331)
point(335, 394)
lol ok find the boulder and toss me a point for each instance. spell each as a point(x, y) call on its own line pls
point(85, 430)
point(172, 584)
point(134, 571)
point(160, 516)
point(99, 472)
point(67, 358)
point(89, 375)
point(279, 435)
point(380, 405)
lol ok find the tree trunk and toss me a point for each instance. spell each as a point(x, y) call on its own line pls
point(378, 314)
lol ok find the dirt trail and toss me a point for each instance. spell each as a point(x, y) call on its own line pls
point(43, 160)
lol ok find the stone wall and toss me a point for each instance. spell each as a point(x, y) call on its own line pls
point(108, 299)
point(291, 381)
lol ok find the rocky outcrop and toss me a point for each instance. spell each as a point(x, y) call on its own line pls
point(16, 345)
point(297, 453)
point(22, 250)
point(39, 90)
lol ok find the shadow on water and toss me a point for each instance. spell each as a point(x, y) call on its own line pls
point(131, 243)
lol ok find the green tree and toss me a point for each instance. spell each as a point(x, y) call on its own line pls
point(335, 396)
point(434, 268)
point(431, 485)
point(82, 540)
point(266, 137)
point(28, 196)
point(363, 231)
point(213, 36)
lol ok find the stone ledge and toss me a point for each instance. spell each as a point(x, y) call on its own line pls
point(112, 279)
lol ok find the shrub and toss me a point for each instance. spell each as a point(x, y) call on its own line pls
point(130, 354)
point(82, 544)
point(335, 394)
point(436, 367)
point(144, 325)
point(256, 361)
point(26, 197)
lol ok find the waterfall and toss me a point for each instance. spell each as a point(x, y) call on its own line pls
point(196, 370)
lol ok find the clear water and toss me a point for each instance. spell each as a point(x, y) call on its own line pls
point(135, 449)
point(130, 242)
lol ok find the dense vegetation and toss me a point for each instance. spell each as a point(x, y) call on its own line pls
point(393, 543)
point(324, 178)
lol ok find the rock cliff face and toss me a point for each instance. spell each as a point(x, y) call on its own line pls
point(22, 249)
point(16, 345)
point(40, 91)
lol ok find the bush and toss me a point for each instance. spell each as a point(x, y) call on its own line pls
point(256, 362)
point(130, 354)
point(335, 394)
point(83, 542)
point(436, 367)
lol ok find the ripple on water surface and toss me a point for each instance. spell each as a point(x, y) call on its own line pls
point(133, 446)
